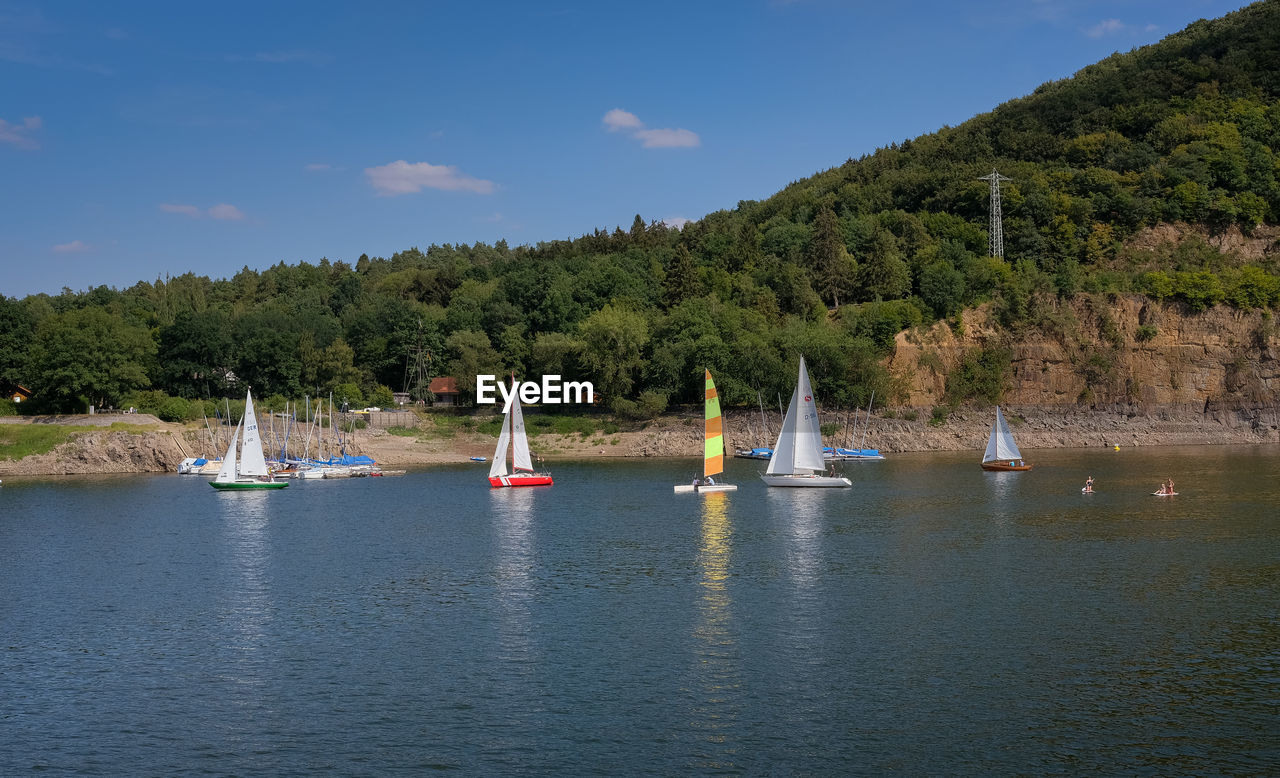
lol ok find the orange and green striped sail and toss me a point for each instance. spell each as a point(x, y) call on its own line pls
point(714, 445)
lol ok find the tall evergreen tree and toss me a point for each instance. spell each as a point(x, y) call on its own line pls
point(829, 261)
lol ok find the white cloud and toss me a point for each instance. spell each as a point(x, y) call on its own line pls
point(1105, 27)
point(401, 177)
point(226, 212)
point(73, 247)
point(618, 119)
point(676, 222)
point(189, 210)
point(655, 138)
point(20, 134)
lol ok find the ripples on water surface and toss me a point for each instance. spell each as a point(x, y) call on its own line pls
point(934, 619)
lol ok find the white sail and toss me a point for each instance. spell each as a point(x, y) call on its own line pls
point(499, 466)
point(781, 463)
point(252, 462)
point(799, 446)
point(1000, 444)
point(519, 440)
point(228, 470)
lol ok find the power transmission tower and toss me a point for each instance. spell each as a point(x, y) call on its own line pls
point(996, 228)
point(417, 371)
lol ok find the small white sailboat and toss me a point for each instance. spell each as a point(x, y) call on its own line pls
point(250, 472)
point(1002, 454)
point(797, 456)
point(513, 437)
point(712, 447)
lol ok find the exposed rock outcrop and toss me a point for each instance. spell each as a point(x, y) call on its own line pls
point(1130, 352)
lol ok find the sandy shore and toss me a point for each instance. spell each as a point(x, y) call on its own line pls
point(680, 435)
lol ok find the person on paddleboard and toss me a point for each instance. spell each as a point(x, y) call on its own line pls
point(1088, 484)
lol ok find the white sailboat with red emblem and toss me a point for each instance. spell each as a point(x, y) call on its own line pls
point(797, 456)
point(513, 437)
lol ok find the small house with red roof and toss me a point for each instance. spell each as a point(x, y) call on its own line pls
point(445, 390)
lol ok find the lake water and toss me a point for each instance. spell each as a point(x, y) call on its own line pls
point(934, 619)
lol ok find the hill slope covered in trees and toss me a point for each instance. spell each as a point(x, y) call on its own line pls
point(833, 266)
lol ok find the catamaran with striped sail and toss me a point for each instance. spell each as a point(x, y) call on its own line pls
point(250, 472)
point(797, 456)
point(1002, 453)
point(712, 447)
point(513, 437)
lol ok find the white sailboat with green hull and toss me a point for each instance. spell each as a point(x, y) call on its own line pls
point(249, 471)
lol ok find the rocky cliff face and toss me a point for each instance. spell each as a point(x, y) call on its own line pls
point(105, 452)
point(1108, 352)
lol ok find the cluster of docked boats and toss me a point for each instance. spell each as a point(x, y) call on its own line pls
point(244, 466)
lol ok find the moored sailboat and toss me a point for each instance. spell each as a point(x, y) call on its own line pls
point(513, 437)
point(1002, 453)
point(712, 447)
point(797, 456)
point(250, 471)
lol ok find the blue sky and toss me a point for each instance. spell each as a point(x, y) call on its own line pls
point(139, 140)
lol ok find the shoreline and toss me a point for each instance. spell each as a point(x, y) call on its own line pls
point(679, 435)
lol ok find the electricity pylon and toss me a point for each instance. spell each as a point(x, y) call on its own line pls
point(996, 228)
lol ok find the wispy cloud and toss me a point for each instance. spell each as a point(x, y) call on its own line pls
point(20, 134)
point(283, 57)
point(315, 166)
point(618, 120)
point(74, 247)
point(24, 53)
point(677, 222)
point(226, 212)
point(1105, 27)
point(221, 211)
point(668, 139)
point(402, 177)
point(189, 210)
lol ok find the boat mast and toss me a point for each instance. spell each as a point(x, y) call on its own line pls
point(863, 439)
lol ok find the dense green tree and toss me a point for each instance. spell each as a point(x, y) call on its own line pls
point(613, 349)
point(17, 328)
point(882, 272)
point(681, 280)
point(90, 354)
point(195, 354)
point(829, 261)
point(471, 354)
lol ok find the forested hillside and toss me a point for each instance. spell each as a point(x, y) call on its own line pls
point(833, 266)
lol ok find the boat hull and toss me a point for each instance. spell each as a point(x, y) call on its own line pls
point(807, 481)
point(239, 486)
point(531, 479)
point(705, 488)
point(1001, 467)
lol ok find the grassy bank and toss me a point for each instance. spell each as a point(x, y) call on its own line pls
point(23, 440)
